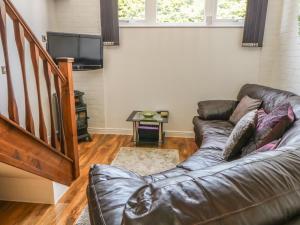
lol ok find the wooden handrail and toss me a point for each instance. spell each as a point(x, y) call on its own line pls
point(68, 111)
point(15, 15)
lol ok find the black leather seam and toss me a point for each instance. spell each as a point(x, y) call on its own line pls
point(98, 201)
point(235, 166)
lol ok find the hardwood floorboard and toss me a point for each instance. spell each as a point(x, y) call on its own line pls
point(102, 150)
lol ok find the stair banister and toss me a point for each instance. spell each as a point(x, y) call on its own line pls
point(63, 150)
point(68, 112)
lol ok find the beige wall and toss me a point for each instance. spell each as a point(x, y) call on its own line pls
point(158, 68)
point(281, 67)
point(271, 41)
point(21, 186)
point(288, 73)
point(174, 68)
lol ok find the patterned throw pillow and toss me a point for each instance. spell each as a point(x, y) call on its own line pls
point(261, 114)
point(250, 149)
point(240, 135)
point(246, 105)
point(269, 147)
point(273, 125)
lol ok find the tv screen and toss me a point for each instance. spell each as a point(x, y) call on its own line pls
point(87, 50)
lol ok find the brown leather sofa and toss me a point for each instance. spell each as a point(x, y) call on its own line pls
point(258, 189)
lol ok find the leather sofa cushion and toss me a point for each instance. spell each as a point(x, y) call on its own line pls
point(212, 134)
point(295, 221)
point(295, 103)
point(108, 191)
point(216, 109)
point(270, 97)
point(202, 159)
point(259, 189)
point(165, 174)
point(246, 105)
point(291, 136)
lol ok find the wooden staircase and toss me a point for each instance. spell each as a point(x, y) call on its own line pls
point(38, 151)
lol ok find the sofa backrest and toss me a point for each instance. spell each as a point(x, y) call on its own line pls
point(258, 189)
point(271, 97)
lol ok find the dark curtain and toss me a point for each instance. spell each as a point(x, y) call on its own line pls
point(255, 23)
point(109, 22)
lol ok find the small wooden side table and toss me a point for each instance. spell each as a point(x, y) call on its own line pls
point(155, 124)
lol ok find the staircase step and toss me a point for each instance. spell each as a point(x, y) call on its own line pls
point(21, 149)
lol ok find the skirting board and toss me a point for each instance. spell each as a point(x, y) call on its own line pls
point(30, 190)
point(123, 131)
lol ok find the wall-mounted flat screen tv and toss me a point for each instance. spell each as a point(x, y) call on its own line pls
point(87, 50)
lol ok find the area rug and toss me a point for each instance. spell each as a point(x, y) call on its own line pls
point(143, 161)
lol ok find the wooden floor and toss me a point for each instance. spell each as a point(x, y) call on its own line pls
point(101, 150)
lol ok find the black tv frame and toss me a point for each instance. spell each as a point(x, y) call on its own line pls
point(79, 66)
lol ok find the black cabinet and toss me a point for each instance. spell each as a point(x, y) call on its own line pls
point(81, 117)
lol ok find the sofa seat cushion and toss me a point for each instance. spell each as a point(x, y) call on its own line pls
point(108, 191)
point(202, 159)
point(212, 134)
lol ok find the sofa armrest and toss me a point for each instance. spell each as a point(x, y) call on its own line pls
point(108, 191)
point(216, 109)
point(236, 192)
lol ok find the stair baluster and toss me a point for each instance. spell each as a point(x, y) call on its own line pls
point(35, 56)
point(47, 74)
point(12, 105)
point(20, 41)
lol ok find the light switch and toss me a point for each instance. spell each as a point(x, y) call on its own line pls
point(44, 38)
point(3, 70)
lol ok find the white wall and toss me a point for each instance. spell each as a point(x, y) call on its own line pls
point(158, 68)
point(269, 54)
point(288, 72)
point(173, 69)
point(21, 186)
point(282, 68)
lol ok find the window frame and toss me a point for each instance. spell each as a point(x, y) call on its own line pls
point(210, 18)
point(216, 20)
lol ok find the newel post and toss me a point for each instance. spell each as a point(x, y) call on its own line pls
point(68, 112)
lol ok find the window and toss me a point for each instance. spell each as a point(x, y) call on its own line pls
point(182, 12)
point(231, 9)
point(132, 10)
